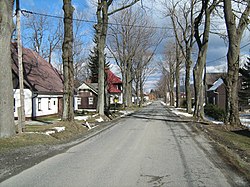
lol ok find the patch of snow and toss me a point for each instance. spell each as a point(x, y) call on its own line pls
point(100, 119)
point(125, 112)
point(177, 112)
point(95, 115)
point(245, 121)
point(81, 117)
point(59, 129)
point(50, 132)
point(164, 104)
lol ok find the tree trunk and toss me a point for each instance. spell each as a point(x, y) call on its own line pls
point(102, 27)
point(141, 91)
point(199, 87)
point(177, 77)
point(129, 83)
point(188, 64)
point(68, 69)
point(171, 81)
point(124, 91)
point(7, 125)
point(234, 35)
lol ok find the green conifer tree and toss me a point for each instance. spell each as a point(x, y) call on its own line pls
point(93, 63)
point(244, 92)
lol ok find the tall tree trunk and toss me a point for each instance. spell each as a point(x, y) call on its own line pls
point(7, 125)
point(67, 56)
point(141, 91)
point(177, 76)
point(188, 64)
point(129, 83)
point(171, 81)
point(102, 27)
point(124, 91)
point(234, 35)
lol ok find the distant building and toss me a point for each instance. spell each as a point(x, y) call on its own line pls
point(87, 93)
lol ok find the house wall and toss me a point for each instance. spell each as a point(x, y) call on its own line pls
point(218, 97)
point(41, 105)
point(83, 99)
point(120, 98)
point(27, 102)
point(45, 105)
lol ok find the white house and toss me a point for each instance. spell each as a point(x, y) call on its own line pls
point(42, 82)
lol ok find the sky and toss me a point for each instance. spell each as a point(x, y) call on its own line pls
point(216, 57)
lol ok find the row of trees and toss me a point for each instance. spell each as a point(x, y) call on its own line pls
point(191, 21)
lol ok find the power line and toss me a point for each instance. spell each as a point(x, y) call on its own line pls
point(92, 21)
point(226, 55)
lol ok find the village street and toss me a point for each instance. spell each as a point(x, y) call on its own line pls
point(153, 147)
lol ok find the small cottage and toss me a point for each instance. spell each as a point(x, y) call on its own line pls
point(43, 85)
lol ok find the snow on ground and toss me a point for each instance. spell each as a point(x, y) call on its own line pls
point(178, 112)
point(125, 112)
point(99, 120)
point(245, 119)
point(81, 117)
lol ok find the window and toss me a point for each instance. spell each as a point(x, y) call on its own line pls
point(39, 104)
point(79, 101)
point(49, 103)
point(91, 100)
point(90, 93)
point(14, 105)
point(55, 103)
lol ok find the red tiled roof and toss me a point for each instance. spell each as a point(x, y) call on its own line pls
point(113, 82)
point(39, 75)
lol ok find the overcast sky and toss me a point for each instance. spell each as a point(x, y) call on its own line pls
point(216, 58)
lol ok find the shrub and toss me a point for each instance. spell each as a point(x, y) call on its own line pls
point(215, 112)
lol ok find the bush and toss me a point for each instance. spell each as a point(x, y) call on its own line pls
point(215, 112)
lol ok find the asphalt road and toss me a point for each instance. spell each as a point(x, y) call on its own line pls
point(152, 147)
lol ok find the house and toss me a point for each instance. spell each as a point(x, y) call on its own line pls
point(87, 93)
point(114, 87)
point(43, 85)
point(87, 96)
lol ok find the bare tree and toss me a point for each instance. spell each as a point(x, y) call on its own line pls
point(235, 30)
point(207, 8)
point(132, 47)
point(170, 65)
point(67, 56)
point(7, 125)
point(103, 12)
point(181, 14)
point(43, 36)
point(37, 26)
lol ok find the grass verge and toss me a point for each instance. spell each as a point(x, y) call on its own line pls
point(35, 135)
point(233, 146)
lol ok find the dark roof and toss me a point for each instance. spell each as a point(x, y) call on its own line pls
point(216, 85)
point(212, 77)
point(39, 75)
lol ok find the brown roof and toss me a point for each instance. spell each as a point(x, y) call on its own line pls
point(39, 75)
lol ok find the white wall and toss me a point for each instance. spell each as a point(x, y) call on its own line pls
point(120, 98)
point(48, 104)
point(27, 102)
point(45, 105)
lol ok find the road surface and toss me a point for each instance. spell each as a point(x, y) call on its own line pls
point(153, 147)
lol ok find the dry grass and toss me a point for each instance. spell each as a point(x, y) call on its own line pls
point(234, 146)
point(35, 135)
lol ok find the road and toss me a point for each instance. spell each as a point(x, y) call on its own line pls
point(153, 147)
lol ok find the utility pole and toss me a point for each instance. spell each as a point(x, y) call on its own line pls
point(21, 114)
